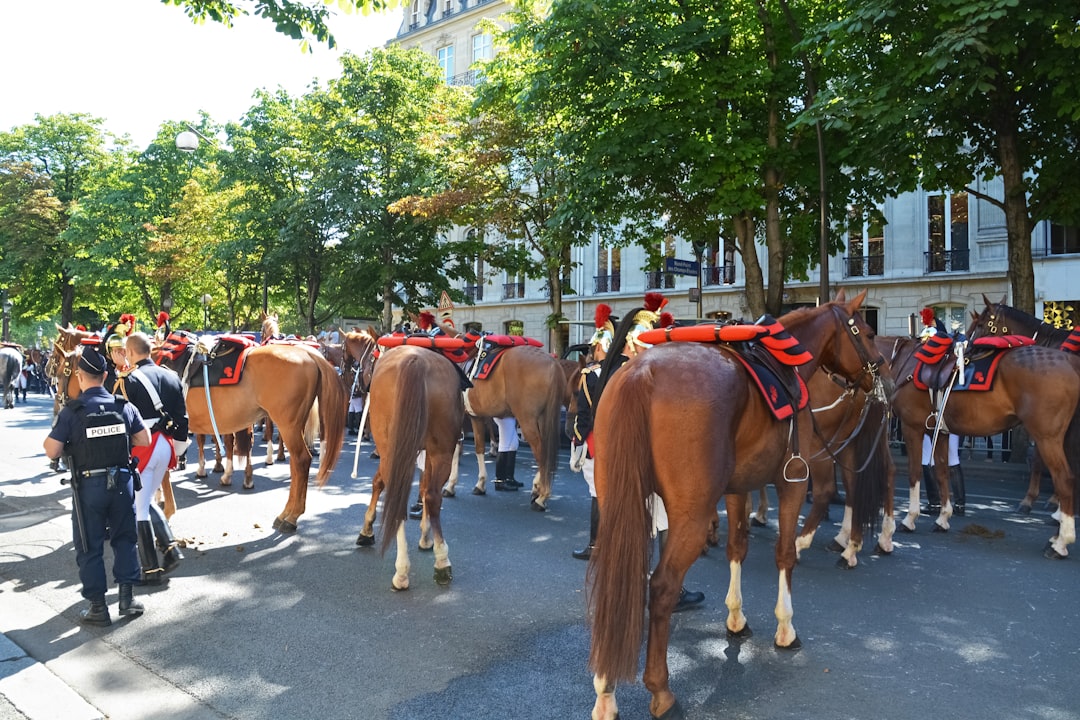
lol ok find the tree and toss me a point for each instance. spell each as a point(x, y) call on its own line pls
point(294, 18)
point(955, 91)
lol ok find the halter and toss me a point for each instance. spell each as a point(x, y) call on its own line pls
point(65, 367)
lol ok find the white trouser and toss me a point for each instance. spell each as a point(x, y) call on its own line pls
point(152, 475)
point(587, 467)
point(508, 439)
point(954, 450)
point(659, 514)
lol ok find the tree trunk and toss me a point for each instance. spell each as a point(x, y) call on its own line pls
point(755, 286)
point(1017, 224)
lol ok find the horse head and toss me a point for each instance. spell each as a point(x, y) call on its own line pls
point(359, 347)
point(851, 352)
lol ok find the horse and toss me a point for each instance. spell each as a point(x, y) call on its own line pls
point(529, 385)
point(999, 319)
point(686, 421)
point(284, 382)
point(10, 373)
point(1034, 386)
point(415, 405)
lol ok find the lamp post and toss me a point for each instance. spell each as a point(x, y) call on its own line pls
point(699, 254)
point(40, 335)
point(206, 299)
point(7, 316)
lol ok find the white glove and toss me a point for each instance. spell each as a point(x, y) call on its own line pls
point(578, 454)
point(181, 446)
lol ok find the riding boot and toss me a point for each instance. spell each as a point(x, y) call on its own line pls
point(956, 485)
point(933, 497)
point(353, 423)
point(504, 472)
point(687, 598)
point(129, 605)
point(170, 549)
point(594, 522)
point(96, 614)
point(148, 560)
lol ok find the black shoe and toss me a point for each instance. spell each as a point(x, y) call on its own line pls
point(129, 605)
point(170, 559)
point(958, 510)
point(583, 554)
point(416, 511)
point(96, 614)
point(510, 485)
point(932, 510)
point(688, 599)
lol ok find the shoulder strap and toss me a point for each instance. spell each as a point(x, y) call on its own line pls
point(148, 386)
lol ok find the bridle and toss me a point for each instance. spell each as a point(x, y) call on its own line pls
point(64, 369)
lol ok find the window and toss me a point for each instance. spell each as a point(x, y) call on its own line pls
point(865, 243)
point(608, 269)
point(445, 56)
point(1064, 239)
point(481, 47)
point(447, 7)
point(414, 14)
point(947, 232)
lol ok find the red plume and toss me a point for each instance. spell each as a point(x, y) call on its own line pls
point(927, 316)
point(427, 320)
point(654, 301)
point(129, 320)
point(162, 318)
point(603, 313)
point(666, 319)
point(80, 326)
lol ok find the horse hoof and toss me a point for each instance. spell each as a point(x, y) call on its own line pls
point(201, 477)
point(285, 527)
point(420, 547)
point(1024, 509)
point(537, 507)
point(842, 563)
point(395, 588)
point(796, 644)
point(754, 522)
point(365, 540)
point(447, 492)
point(904, 528)
point(675, 712)
point(1051, 554)
point(443, 576)
point(479, 491)
point(249, 485)
point(939, 529)
point(835, 547)
point(225, 483)
point(878, 550)
point(276, 524)
point(743, 634)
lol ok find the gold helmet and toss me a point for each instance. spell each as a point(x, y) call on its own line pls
point(648, 318)
point(605, 331)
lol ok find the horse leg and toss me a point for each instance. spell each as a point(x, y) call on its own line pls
point(366, 538)
point(401, 563)
point(230, 443)
point(200, 441)
point(1034, 484)
point(605, 707)
point(760, 516)
point(737, 545)
point(479, 429)
point(440, 468)
point(1053, 455)
point(884, 544)
point(913, 442)
point(455, 470)
point(791, 499)
point(299, 469)
point(824, 484)
point(243, 441)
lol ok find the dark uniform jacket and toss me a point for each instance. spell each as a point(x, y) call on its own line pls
point(169, 390)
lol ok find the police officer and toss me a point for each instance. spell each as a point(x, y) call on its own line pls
point(96, 431)
point(159, 397)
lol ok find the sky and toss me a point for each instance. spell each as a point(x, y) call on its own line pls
point(138, 63)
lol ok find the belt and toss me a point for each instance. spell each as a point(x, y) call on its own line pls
point(93, 473)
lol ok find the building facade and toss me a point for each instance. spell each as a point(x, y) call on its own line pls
point(920, 249)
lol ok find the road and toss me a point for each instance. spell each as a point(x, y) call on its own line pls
point(970, 624)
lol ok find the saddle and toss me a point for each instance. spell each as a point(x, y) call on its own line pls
point(224, 360)
point(491, 351)
point(454, 349)
point(932, 372)
point(766, 349)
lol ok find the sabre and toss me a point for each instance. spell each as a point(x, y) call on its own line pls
point(210, 407)
point(360, 435)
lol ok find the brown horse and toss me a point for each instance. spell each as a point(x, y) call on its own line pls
point(528, 385)
point(416, 405)
point(283, 382)
point(686, 421)
point(999, 319)
point(1035, 386)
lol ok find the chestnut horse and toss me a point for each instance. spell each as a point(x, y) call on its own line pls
point(1034, 386)
point(686, 421)
point(283, 382)
point(416, 405)
point(1001, 319)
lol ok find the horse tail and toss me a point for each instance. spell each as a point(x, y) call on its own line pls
point(551, 429)
point(871, 453)
point(333, 403)
point(408, 421)
point(619, 567)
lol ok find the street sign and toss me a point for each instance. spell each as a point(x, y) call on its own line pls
point(675, 266)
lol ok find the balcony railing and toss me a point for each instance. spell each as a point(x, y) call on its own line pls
point(469, 77)
point(607, 283)
point(719, 275)
point(566, 289)
point(861, 266)
point(659, 280)
point(513, 291)
point(947, 261)
point(474, 292)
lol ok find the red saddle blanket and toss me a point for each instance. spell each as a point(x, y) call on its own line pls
point(1072, 343)
point(766, 349)
point(225, 360)
point(492, 350)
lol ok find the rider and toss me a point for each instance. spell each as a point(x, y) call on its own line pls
point(159, 397)
point(933, 326)
point(96, 431)
point(581, 456)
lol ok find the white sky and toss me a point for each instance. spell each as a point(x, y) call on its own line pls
point(139, 63)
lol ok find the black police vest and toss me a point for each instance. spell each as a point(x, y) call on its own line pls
point(99, 437)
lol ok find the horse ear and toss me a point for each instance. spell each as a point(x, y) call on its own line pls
point(987, 300)
point(841, 296)
point(1004, 297)
point(856, 303)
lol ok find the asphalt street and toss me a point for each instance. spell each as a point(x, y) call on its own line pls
point(969, 624)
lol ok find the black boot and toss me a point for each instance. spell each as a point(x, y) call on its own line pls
point(148, 560)
point(353, 423)
point(416, 510)
point(594, 522)
point(96, 614)
point(129, 605)
point(933, 497)
point(504, 472)
point(166, 543)
point(956, 485)
point(687, 598)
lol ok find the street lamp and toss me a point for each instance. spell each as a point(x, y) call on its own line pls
point(40, 335)
point(188, 140)
point(206, 299)
point(699, 254)
point(7, 316)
